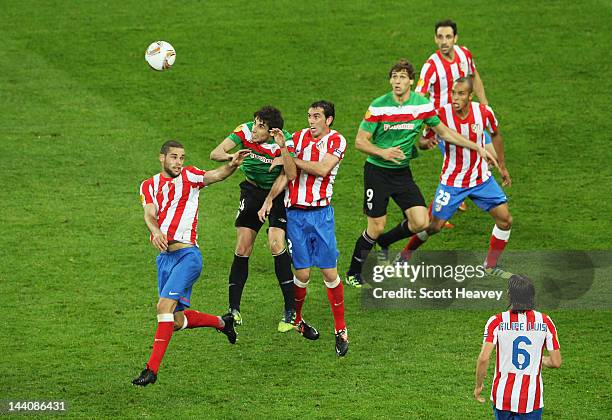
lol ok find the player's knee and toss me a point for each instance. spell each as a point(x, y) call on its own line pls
point(375, 230)
point(165, 306)
point(418, 225)
point(244, 250)
point(277, 245)
point(504, 223)
point(302, 276)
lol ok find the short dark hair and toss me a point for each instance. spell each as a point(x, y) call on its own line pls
point(328, 109)
point(271, 116)
point(469, 79)
point(167, 145)
point(444, 23)
point(521, 293)
point(402, 65)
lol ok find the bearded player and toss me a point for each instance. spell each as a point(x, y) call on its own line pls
point(443, 67)
point(170, 200)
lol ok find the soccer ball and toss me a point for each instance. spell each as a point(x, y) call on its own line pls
point(160, 55)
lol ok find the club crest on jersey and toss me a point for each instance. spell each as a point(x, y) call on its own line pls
point(476, 128)
point(320, 145)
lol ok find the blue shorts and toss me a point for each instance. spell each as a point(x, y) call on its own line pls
point(509, 415)
point(486, 196)
point(312, 238)
point(177, 272)
point(487, 137)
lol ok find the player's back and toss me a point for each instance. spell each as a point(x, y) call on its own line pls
point(520, 338)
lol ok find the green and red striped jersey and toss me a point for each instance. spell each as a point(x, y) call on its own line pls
point(393, 124)
point(256, 167)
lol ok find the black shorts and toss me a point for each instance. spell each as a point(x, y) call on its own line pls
point(381, 183)
point(251, 199)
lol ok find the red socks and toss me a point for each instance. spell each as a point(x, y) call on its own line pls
point(414, 242)
point(300, 296)
point(197, 319)
point(499, 239)
point(335, 295)
point(163, 334)
point(165, 328)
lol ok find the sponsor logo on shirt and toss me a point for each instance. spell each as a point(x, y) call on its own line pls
point(404, 126)
point(260, 158)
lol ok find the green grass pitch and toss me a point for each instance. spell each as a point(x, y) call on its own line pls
point(83, 118)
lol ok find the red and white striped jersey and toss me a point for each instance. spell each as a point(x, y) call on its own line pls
point(464, 168)
point(176, 202)
point(308, 190)
point(519, 339)
point(437, 75)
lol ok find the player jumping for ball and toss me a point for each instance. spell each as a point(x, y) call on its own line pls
point(170, 200)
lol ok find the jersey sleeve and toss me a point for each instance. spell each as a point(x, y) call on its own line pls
point(489, 118)
point(146, 192)
point(552, 341)
point(491, 329)
point(431, 117)
point(239, 134)
point(370, 121)
point(196, 176)
point(470, 59)
point(289, 142)
point(426, 78)
point(336, 146)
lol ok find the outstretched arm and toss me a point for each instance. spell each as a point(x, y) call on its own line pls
point(481, 370)
point(220, 154)
point(222, 172)
point(457, 139)
point(427, 144)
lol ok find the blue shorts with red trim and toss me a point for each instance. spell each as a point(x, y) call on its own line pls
point(510, 415)
point(486, 196)
point(177, 271)
point(312, 237)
